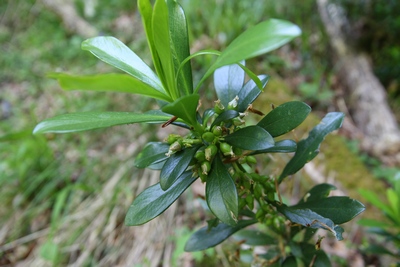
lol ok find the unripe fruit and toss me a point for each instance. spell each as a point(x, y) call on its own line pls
point(208, 137)
point(172, 138)
point(251, 160)
point(250, 201)
point(258, 191)
point(217, 130)
point(226, 149)
point(233, 104)
point(218, 108)
point(210, 152)
point(200, 155)
point(205, 167)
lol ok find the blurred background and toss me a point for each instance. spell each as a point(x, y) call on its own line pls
point(64, 197)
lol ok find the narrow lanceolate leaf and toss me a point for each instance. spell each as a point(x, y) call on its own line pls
point(83, 121)
point(146, 10)
point(285, 118)
point(175, 165)
point(184, 108)
point(207, 238)
point(308, 148)
point(117, 54)
point(283, 146)
point(318, 192)
point(254, 238)
point(250, 92)
point(221, 193)
point(309, 218)
point(180, 46)
point(260, 39)
point(225, 116)
point(337, 209)
point(228, 80)
point(153, 153)
point(153, 201)
point(162, 42)
point(250, 138)
point(113, 82)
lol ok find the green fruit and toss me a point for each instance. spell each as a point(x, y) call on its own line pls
point(250, 201)
point(226, 149)
point(208, 137)
point(251, 160)
point(200, 156)
point(205, 167)
point(218, 108)
point(210, 152)
point(217, 130)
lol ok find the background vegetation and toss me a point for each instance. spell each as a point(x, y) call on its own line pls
point(47, 182)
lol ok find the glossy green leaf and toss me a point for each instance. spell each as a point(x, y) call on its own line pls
point(337, 209)
point(180, 47)
point(309, 218)
point(260, 39)
point(113, 82)
point(319, 191)
point(175, 165)
point(249, 92)
point(228, 80)
point(162, 42)
point(146, 10)
point(152, 153)
point(319, 257)
point(254, 238)
point(289, 262)
point(283, 146)
point(83, 121)
point(285, 118)
point(184, 108)
point(117, 54)
point(153, 201)
point(225, 116)
point(207, 238)
point(308, 148)
point(221, 194)
point(250, 138)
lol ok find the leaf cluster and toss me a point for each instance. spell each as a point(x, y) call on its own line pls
point(219, 147)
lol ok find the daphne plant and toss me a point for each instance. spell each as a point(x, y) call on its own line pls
point(220, 146)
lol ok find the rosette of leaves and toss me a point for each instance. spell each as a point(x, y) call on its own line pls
point(219, 147)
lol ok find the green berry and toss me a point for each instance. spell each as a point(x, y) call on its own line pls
point(210, 152)
point(205, 167)
point(217, 130)
point(226, 149)
point(251, 160)
point(208, 137)
point(218, 108)
point(200, 155)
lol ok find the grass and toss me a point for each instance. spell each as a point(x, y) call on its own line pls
point(64, 197)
